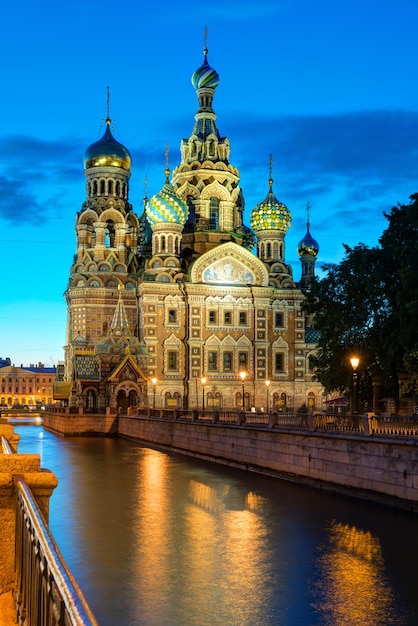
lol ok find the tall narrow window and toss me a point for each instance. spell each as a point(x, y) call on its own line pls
point(243, 361)
point(227, 361)
point(214, 213)
point(212, 361)
point(279, 362)
point(172, 360)
point(278, 319)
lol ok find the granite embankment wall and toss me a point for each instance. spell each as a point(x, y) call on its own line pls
point(74, 424)
point(383, 470)
point(378, 468)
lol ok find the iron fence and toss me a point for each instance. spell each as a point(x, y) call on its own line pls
point(46, 593)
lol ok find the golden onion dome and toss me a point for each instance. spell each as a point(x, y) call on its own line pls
point(107, 152)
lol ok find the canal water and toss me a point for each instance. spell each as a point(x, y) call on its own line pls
point(160, 539)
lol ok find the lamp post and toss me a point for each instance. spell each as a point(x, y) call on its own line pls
point(354, 360)
point(154, 383)
point(267, 395)
point(243, 376)
point(203, 381)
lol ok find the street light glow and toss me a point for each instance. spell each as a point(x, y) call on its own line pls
point(354, 360)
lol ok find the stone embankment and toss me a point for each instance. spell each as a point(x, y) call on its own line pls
point(361, 459)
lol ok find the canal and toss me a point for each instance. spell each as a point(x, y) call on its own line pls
point(159, 539)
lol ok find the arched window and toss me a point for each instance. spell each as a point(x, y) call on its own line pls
point(102, 186)
point(110, 187)
point(269, 251)
point(192, 214)
point(110, 234)
point(95, 188)
point(117, 188)
point(91, 401)
point(214, 213)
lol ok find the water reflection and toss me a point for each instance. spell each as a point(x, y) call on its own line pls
point(157, 539)
point(352, 585)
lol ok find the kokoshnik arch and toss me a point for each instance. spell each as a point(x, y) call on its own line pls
point(161, 299)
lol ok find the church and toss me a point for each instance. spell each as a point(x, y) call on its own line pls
point(180, 304)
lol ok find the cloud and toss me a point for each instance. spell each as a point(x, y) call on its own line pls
point(32, 171)
point(17, 201)
point(383, 143)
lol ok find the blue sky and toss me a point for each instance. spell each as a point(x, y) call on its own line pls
point(328, 88)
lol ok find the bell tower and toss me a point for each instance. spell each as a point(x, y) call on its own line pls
point(205, 179)
point(106, 248)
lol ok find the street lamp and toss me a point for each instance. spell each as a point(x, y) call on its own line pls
point(354, 360)
point(268, 395)
point(243, 376)
point(203, 380)
point(154, 383)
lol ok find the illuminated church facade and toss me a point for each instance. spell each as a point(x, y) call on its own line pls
point(182, 304)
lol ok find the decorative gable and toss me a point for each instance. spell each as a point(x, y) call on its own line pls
point(229, 264)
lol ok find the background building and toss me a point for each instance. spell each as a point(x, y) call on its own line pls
point(171, 306)
point(26, 386)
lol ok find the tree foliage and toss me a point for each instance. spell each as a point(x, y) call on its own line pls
point(368, 304)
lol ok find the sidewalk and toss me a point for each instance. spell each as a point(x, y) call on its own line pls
point(7, 614)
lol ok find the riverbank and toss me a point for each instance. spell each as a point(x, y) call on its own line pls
point(376, 467)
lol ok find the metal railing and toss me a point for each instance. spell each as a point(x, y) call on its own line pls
point(5, 446)
point(46, 593)
point(367, 424)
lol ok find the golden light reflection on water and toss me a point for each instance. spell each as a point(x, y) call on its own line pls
point(226, 552)
point(352, 586)
point(152, 522)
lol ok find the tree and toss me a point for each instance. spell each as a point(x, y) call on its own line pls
point(368, 304)
point(348, 306)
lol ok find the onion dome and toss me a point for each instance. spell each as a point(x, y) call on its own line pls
point(270, 214)
point(205, 76)
point(166, 206)
point(107, 152)
point(308, 246)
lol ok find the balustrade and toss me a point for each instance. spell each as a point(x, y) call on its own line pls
point(46, 593)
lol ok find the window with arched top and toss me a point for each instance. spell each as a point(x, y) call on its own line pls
point(110, 234)
point(214, 213)
point(192, 214)
point(95, 188)
point(102, 186)
point(110, 187)
point(269, 250)
point(117, 188)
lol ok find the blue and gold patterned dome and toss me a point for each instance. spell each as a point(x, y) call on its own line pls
point(270, 214)
point(205, 75)
point(308, 246)
point(107, 152)
point(166, 206)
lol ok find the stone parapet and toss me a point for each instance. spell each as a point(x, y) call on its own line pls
point(384, 470)
point(42, 483)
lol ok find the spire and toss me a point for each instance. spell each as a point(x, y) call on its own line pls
point(120, 322)
point(167, 169)
point(108, 119)
point(308, 249)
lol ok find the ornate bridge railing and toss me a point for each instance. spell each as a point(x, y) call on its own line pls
point(46, 593)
